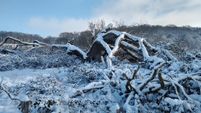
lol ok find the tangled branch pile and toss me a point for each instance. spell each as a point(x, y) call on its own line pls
point(106, 46)
point(159, 82)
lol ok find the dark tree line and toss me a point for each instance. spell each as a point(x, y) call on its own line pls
point(82, 39)
point(153, 33)
point(20, 36)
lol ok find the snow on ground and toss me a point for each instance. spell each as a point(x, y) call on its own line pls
point(43, 77)
point(33, 75)
point(54, 83)
point(17, 76)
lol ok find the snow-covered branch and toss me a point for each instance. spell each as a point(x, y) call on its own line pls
point(7, 93)
point(18, 41)
point(90, 87)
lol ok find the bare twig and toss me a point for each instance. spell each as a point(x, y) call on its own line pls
point(6, 51)
point(161, 80)
point(18, 41)
point(9, 95)
point(128, 99)
point(90, 87)
point(129, 87)
point(40, 43)
point(153, 75)
point(135, 72)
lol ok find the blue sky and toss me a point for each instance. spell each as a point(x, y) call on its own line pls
point(16, 14)
point(51, 17)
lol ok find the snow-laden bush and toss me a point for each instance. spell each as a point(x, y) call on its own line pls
point(39, 58)
point(158, 82)
point(91, 87)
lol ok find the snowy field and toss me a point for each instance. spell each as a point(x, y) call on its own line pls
point(56, 84)
point(39, 80)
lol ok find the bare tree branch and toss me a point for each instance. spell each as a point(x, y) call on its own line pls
point(18, 41)
point(9, 95)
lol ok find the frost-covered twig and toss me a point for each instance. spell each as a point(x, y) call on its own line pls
point(183, 91)
point(129, 86)
point(71, 49)
point(126, 104)
point(41, 43)
point(90, 87)
point(176, 90)
point(169, 55)
point(104, 44)
point(18, 41)
point(6, 51)
point(153, 75)
point(198, 82)
point(132, 54)
point(132, 37)
point(9, 95)
point(109, 62)
point(157, 88)
point(135, 72)
point(116, 46)
point(161, 80)
point(144, 50)
point(147, 44)
point(129, 46)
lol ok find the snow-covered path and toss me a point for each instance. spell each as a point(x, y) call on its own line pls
point(59, 84)
point(17, 76)
point(23, 75)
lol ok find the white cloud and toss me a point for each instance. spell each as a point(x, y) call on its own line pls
point(162, 12)
point(55, 26)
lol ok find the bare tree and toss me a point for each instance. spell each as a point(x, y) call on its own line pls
point(92, 28)
point(96, 27)
point(107, 45)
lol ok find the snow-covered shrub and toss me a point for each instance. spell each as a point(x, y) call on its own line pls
point(158, 82)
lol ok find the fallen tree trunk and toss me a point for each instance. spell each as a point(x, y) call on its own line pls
point(18, 41)
point(107, 45)
point(138, 90)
